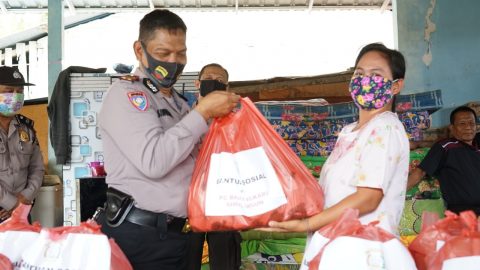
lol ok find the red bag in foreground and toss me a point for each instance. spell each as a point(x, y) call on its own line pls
point(70, 247)
point(18, 221)
point(246, 175)
point(348, 244)
point(5, 263)
point(455, 236)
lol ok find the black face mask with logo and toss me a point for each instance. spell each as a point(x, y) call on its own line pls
point(207, 86)
point(163, 74)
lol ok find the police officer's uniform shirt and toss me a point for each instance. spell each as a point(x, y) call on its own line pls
point(150, 145)
point(21, 163)
point(457, 166)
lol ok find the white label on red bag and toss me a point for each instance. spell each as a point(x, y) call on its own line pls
point(365, 254)
point(75, 251)
point(242, 184)
point(464, 263)
point(13, 243)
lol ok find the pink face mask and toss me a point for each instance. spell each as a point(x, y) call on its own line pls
point(371, 92)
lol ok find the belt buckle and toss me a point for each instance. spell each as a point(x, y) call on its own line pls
point(186, 227)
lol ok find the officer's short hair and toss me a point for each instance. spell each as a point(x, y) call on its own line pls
point(211, 65)
point(160, 19)
point(461, 109)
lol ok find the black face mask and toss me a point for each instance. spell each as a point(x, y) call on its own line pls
point(207, 86)
point(164, 74)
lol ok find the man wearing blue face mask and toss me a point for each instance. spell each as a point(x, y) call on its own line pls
point(21, 162)
point(150, 140)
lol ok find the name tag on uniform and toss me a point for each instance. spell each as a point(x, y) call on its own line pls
point(163, 112)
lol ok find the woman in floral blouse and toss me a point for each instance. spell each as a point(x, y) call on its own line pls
point(368, 168)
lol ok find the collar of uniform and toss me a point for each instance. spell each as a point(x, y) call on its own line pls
point(473, 146)
point(14, 124)
point(176, 96)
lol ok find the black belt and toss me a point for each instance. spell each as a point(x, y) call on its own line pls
point(156, 220)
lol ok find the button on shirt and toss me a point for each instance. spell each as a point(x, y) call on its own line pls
point(150, 148)
point(21, 164)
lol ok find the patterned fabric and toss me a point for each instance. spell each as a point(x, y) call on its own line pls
point(321, 147)
point(426, 101)
point(314, 164)
point(371, 92)
point(310, 130)
point(429, 101)
point(411, 221)
point(415, 123)
point(10, 103)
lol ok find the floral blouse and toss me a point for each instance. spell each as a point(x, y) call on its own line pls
point(374, 156)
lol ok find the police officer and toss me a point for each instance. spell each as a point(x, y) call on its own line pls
point(150, 140)
point(223, 247)
point(21, 162)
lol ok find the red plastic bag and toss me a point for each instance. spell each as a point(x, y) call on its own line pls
point(19, 221)
point(255, 176)
point(118, 260)
point(465, 245)
point(349, 225)
point(5, 263)
point(424, 247)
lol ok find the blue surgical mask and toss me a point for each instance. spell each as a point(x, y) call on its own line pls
point(10, 103)
point(163, 74)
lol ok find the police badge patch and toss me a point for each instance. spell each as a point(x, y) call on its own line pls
point(24, 137)
point(139, 100)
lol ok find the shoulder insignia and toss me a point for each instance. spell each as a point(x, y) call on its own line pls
point(26, 131)
point(149, 84)
point(139, 100)
point(130, 78)
point(24, 120)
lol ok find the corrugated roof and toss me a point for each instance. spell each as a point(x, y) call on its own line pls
point(21, 6)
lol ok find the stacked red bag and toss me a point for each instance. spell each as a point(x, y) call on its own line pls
point(56, 241)
point(296, 194)
point(450, 243)
point(348, 244)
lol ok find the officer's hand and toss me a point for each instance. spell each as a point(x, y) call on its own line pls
point(22, 199)
point(217, 104)
point(4, 214)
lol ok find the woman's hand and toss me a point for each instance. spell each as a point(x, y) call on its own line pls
point(295, 225)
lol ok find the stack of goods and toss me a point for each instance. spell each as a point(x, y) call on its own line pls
point(414, 111)
point(310, 128)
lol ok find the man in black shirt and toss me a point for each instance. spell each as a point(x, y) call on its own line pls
point(456, 163)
